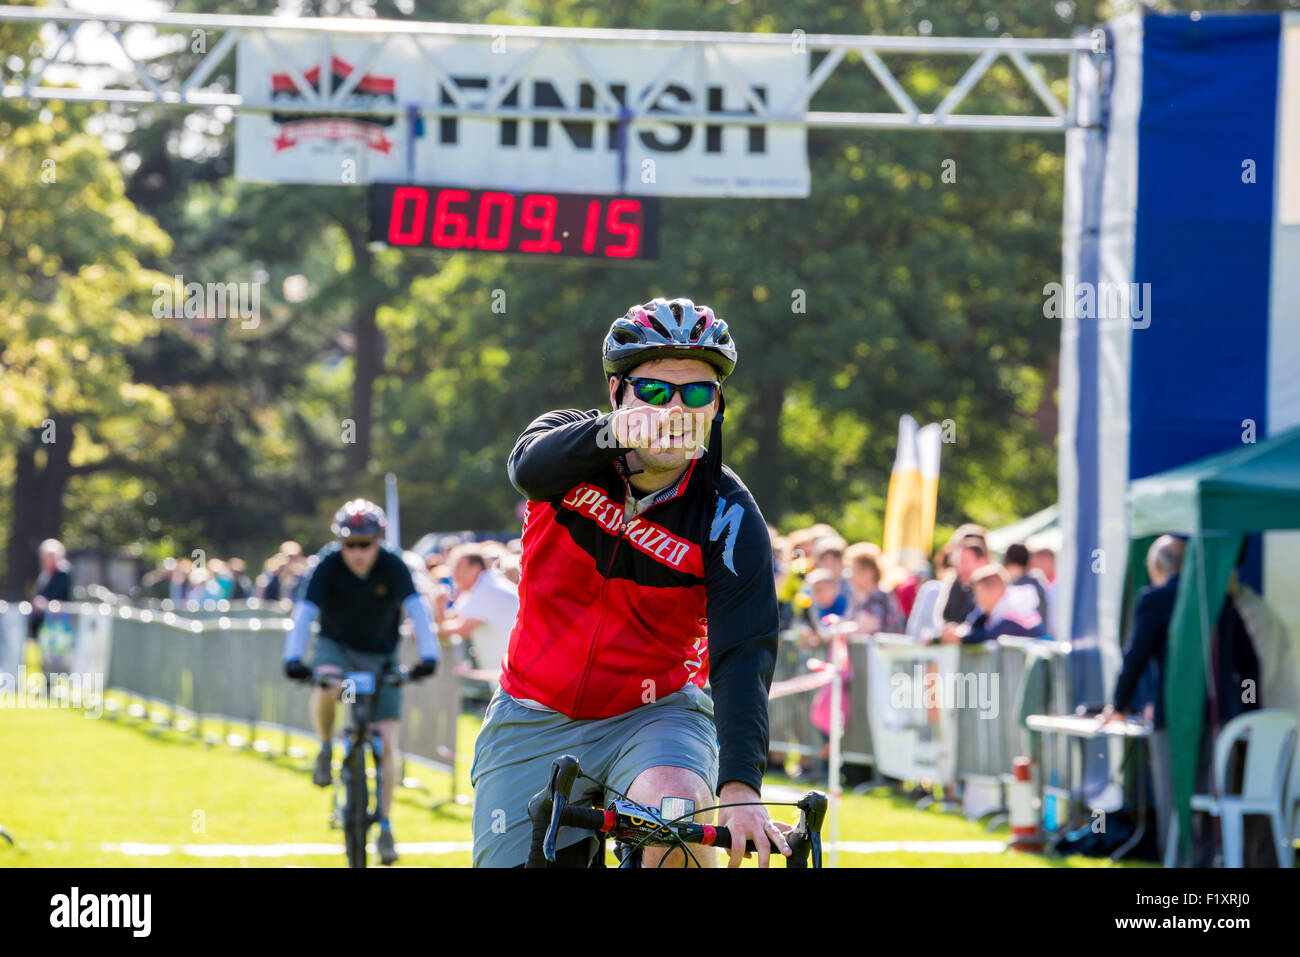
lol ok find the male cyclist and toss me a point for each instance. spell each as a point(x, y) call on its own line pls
point(358, 589)
point(636, 542)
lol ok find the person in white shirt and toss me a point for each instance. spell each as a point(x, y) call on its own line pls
point(485, 607)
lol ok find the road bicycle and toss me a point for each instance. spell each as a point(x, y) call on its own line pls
point(635, 826)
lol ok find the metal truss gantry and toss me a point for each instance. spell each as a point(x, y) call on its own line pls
point(521, 45)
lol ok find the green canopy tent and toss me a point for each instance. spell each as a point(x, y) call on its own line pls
point(1216, 502)
point(1040, 530)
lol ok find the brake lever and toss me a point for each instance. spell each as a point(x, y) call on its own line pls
point(564, 772)
point(813, 804)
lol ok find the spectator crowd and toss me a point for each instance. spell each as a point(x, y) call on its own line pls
point(827, 586)
point(965, 595)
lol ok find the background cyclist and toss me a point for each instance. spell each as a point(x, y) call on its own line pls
point(358, 590)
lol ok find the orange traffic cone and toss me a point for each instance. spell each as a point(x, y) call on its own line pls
point(1025, 833)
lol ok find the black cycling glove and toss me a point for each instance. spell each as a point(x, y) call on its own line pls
point(425, 668)
point(295, 670)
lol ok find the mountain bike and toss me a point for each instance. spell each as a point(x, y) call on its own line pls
point(352, 809)
point(635, 826)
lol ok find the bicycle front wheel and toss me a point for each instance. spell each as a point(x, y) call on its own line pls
point(356, 817)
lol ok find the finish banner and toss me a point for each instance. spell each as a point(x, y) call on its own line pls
point(509, 114)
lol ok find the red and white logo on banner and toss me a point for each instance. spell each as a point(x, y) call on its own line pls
point(297, 128)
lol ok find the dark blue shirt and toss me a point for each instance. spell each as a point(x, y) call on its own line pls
point(1147, 643)
point(840, 606)
point(360, 613)
point(53, 587)
point(57, 586)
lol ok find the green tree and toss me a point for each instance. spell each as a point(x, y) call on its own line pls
point(73, 293)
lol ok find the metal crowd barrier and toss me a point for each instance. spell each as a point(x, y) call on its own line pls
point(790, 703)
point(217, 607)
point(13, 632)
point(981, 733)
point(913, 735)
point(857, 748)
point(966, 743)
point(226, 669)
point(1032, 677)
point(1036, 679)
point(791, 730)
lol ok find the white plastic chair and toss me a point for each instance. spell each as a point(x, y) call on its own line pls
point(1270, 737)
point(1293, 796)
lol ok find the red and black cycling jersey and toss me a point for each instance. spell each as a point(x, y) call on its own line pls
point(614, 614)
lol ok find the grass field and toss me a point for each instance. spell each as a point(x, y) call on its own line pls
point(121, 792)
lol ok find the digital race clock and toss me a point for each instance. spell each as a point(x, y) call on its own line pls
point(610, 228)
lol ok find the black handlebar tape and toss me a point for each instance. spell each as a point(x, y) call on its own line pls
point(589, 818)
point(595, 819)
point(723, 840)
point(539, 812)
point(750, 846)
point(536, 854)
point(797, 840)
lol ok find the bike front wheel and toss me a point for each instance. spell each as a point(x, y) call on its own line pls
point(356, 815)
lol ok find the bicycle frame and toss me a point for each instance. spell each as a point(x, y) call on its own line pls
point(356, 814)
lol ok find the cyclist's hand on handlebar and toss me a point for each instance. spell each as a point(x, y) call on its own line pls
point(425, 668)
point(295, 670)
point(750, 822)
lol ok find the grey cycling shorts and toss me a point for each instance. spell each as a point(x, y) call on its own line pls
point(516, 745)
point(387, 705)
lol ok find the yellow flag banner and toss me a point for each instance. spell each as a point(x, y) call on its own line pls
point(913, 495)
point(929, 441)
